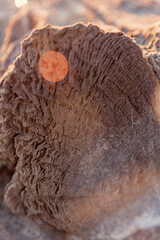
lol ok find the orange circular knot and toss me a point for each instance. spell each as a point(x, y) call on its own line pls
point(53, 66)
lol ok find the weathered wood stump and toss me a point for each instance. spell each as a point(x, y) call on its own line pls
point(88, 145)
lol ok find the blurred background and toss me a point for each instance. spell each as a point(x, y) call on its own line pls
point(17, 19)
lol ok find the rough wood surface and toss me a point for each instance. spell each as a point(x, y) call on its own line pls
point(87, 145)
point(132, 211)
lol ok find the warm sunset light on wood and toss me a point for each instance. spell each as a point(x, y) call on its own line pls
point(53, 66)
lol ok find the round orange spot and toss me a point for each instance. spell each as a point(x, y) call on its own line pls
point(53, 66)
